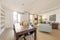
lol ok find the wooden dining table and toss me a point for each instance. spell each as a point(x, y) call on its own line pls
point(21, 30)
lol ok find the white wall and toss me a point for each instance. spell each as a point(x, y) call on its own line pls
point(8, 19)
point(57, 12)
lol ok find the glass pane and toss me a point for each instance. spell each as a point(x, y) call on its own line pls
point(19, 18)
point(15, 17)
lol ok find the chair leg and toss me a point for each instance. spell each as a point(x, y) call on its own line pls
point(24, 38)
point(29, 37)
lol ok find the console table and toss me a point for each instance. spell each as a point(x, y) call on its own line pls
point(55, 25)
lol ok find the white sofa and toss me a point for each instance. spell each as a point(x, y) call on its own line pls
point(45, 27)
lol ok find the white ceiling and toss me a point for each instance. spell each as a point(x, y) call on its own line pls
point(32, 6)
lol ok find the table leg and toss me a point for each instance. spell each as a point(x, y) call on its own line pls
point(16, 37)
point(35, 35)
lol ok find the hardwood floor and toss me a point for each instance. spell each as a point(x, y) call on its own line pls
point(54, 35)
point(8, 34)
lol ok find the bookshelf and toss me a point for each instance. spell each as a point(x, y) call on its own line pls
point(2, 19)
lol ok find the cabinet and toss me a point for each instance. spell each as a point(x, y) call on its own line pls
point(55, 25)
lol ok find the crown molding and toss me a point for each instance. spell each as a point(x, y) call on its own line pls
point(51, 9)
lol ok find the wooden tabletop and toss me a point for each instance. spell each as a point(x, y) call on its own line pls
point(22, 30)
point(19, 29)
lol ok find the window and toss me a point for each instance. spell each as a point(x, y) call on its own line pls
point(19, 18)
point(31, 18)
point(16, 17)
